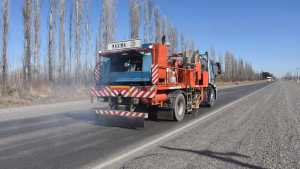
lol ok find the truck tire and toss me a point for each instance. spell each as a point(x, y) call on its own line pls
point(211, 95)
point(178, 107)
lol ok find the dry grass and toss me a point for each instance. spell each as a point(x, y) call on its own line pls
point(41, 92)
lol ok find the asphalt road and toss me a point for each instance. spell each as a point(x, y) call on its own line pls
point(259, 132)
point(80, 140)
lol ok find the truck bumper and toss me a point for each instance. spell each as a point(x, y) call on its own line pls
point(135, 119)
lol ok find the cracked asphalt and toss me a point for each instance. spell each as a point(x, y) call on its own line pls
point(261, 131)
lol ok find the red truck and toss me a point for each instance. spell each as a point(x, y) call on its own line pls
point(138, 80)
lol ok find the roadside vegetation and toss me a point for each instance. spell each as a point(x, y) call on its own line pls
point(65, 70)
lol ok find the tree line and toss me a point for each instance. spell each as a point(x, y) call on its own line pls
point(69, 40)
point(295, 75)
point(237, 69)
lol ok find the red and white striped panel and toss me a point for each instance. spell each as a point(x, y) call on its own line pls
point(138, 93)
point(105, 91)
point(154, 70)
point(120, 113)
point(150, 93)
point(131, 92)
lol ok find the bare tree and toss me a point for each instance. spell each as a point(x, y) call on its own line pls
point(108, 21)
point(78, 22)
point(212, 52)
point(157, 23)
point(238, 70)
point(241, 70)
point(1, 6)
point(97, 48)
point(87, 26)
point(87, 37)
point(4, 45)
point(235, 68)
point(190, 48)
point(221, 61)
point(171, 33)
point(36, 51)
point(51, 40)
point(98, 40)
point(70, 38)
point(228, 66)
point(174, 37)
point(62, 48)
point(165, 27)
point(27, 41)
point(134, 18)
point(148, 15)
point(182, 43)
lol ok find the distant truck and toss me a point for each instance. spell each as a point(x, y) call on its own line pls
point(138, 80)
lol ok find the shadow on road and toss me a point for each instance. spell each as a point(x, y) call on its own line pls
point(225, 157)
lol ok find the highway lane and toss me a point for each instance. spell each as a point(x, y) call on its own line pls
point(79, 139)
point(261, 131)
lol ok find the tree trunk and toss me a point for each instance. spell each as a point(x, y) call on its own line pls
point(62, 49)
point(157, 25)
point(134, 18)
point(27, 42)
point(78, 14)
point(4, 47)
point(36, 60)
point(51, 40)
point(108, 19)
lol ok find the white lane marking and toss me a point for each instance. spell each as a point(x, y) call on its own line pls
point(176, 131)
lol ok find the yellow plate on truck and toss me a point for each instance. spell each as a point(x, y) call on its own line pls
point(119, 87)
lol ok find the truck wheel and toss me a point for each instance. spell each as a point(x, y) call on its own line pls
point(179, 107)
point(211, 95)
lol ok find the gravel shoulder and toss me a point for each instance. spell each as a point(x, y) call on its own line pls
point(262, 131)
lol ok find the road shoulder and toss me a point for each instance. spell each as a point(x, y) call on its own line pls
point(136, 151)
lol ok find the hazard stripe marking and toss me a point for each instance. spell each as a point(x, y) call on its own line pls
point(132, 92)
point(140, 94)
point(120, 113)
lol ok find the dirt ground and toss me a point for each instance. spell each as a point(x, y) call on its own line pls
point(44, 95)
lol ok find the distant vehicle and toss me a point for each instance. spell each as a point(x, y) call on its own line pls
point(270, 79)
point(132, 76)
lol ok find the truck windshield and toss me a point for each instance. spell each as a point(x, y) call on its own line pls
point(129, 66)
point(124, 62)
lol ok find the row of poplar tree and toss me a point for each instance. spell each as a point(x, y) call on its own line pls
point(69, 40)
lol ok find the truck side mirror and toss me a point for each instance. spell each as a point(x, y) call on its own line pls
point(219, 68)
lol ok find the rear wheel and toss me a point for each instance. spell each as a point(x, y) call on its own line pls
point(179, 107)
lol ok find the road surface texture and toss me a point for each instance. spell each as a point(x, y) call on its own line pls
point(260, 131)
